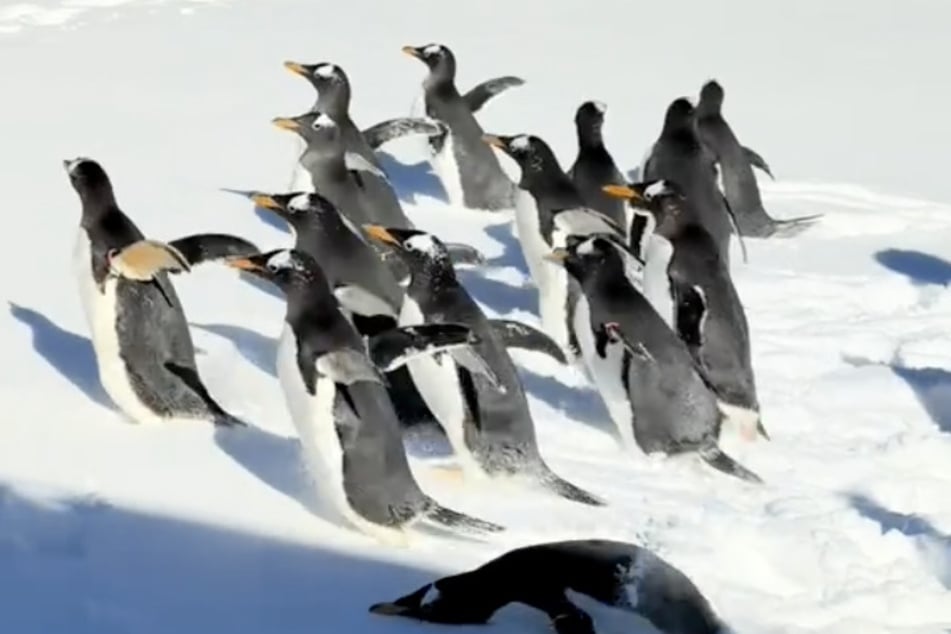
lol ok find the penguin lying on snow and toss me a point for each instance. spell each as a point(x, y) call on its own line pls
point(552, 577)
point(736, 164)
point(144, 351)
point(469, 171)
point(339, 406)
point(594, 168)
point(489, 426)
point(655, 391)
point(684, 271)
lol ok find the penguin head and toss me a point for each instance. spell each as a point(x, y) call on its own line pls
point(589, 119)
point(584, 255)
point(88, 179)
point(532, 154)
point(453, 600)
point(288, 269)
point(420, 250)
point(679, 117)
point(313, 126)
point(295, 208)
point(329, 80)
point(711, 97)
point(661, 199)
point(438, 58)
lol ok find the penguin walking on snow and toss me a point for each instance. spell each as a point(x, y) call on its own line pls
point(549, 208)
point(487, 422)
point(688, 275)
point(736, 164)
point(144, 351)
point(338, 403)
point(656, 393)
point(615, 574)
point(469, 171)
point(594, 168)
point(333, 99)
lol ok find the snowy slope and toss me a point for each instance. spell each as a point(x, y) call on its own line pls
point(111, 528)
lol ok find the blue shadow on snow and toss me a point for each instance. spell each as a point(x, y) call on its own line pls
point(260, 350)
point(499, 296)
point(113, 570)
point(410, 181)
point(68, 353)
point(920, 268)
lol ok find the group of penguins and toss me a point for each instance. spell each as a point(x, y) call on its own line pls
point(634, 290)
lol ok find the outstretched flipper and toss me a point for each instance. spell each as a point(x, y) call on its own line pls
point(715, 457)
point(395, 347)
point(360, 301)
point(347, 367)
point(203, 247)
point(480, 94)
point(387, 131)
point(464, 254)
point(515, 334)
point(790, 227)
point(142, 261)
point(562, 488)
point(456, 520)
point(757, 161)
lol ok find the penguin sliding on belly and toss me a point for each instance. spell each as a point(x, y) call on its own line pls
point(144, 351)
point(688, 271)
point(552, 577)
point(488, 424)
point(594, 168)
point(654, 389)
point(736, 164)
point(340, 408)
point(549, 208)
point(469, 171)
point(333, 99)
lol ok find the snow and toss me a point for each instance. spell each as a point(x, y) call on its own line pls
point(108, 527)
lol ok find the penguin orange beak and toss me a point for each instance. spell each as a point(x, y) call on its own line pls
point(286, 124)
point(380, 234)
point(243, 264)
point(411, 51)
point(297, 69)
point(494, 141)
point(558, 256)
point(265, 201)
point(622, 191)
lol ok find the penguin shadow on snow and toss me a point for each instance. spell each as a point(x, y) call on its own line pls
point(114, 569)
point(922, 269)
point(935, 546)
point(499, 296)
point(931, 386)
point(580, 404)
point(412, 181)
point(70, 354)
point(259, 350)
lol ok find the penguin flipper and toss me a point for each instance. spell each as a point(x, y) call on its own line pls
point(562, 488)
point(394, 348)
point(757, 161)
point(469, 359)
point(456, 520)
point(464, 254)
point(392, 129)
point(690, 309)
point(360, 301)
point(481, 93)
point(789, 227)
point(735, 226)
point(346, 366)
point(515, 334)
point(203, 247)
point(144, 259)
point(356, 164)
point(715, 457)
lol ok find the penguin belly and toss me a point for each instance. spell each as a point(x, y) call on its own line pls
point(606, 373)
point(656, 279)
point(446, 166)
point(101, 310)
point(300, 177)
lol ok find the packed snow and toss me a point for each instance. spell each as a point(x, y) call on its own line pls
point(107, 527)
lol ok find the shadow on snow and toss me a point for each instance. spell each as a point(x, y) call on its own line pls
point(921, 268)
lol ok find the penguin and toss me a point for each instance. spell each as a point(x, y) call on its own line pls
point(553, 577)
point(333, 99)
point(469, 171)
point(695, 272)
point(341, 410)
point(594, 167)
point(548, 208)
point(679, 156)
point(144, 351)
point(489, 427)
point(655, 391)
point(736, 164)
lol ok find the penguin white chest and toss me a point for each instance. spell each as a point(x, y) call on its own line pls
point(101, 310)
point(300, 178)
point(656, 283)
point(605, 372)
point(313, 418)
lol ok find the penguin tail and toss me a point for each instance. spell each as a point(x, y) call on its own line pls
point(456, 520)
point(715, 457)
point(789, 227)
point(569, 491)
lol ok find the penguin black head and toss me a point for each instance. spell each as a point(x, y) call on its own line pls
point(711, 97)
point(420, 250)
point(589, 119)
point(289, 269)
point(584, 255)
point(314, 126)
point(89, 180)
point(331, 83)
point(679, 117)
point(453, 600)
point(662, 199)
point(532, 154)
point(296, 208)
point(438, 58)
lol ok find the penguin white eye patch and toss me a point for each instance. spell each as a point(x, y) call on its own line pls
point(423, 243)
point(282, 260)
point(432, 49)
point(323, 121)
point(298, 203)
point(520, 143)
point(326, 71)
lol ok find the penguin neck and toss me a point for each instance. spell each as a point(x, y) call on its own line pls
point(684, 135)
point(430, 277)
point(590, 137)
point(97, 204)
point(337, 107)
point(546, 182)
point(332, 163)
point(309, 303)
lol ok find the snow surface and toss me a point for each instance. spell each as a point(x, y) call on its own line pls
point(107, 527)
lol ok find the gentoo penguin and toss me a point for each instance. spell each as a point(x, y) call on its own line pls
point(333, 99)
point(736, 165)
point(552, 577)
point(697, 273)
point(489, 426)
point(340, 408)
point(469, 171)
point(548, 208)
point(594, 167)
point(144, 351)
point(653, 388)
point(680, 157)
